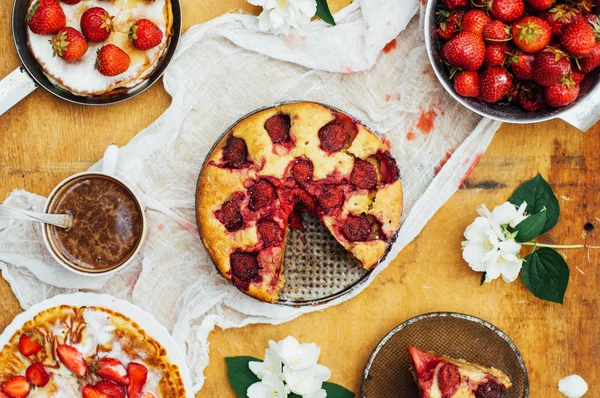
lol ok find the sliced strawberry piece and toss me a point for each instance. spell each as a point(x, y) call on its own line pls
point(235, 153)
point(269, 232)
point(37, 375)
point(278, 128)
point(364, 175)
point(333, 137)
point(90, 392)
point(357, 228)
point(30, 343)
point(490, 389)
point(422, 361)
point(138, 374)
point(244, 265)
point(72, 359)
point(111, 389)
point(448, 379)
point(261, 194)
point(230, 216)
point(388, 167)
point(295, 221)
point(331, 197)
point(113, 370)
point(302, 170)
point(298, 197)
point(17, 387)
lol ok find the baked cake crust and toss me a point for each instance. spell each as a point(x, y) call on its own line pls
point(272, 161)
point(66, 324)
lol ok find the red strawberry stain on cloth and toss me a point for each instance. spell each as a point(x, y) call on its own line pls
point(472, 165)
point(427, 120)
point(442, 162)
point(390, 46)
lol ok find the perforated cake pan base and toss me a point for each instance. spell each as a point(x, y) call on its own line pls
point(456, 335)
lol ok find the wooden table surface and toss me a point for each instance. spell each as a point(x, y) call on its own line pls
point(43, 140)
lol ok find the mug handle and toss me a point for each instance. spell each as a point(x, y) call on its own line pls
point(14, 87)
point(110, 159)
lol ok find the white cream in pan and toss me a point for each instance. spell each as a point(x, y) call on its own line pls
point(81, 77)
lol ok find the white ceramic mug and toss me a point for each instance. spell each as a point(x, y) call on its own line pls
point(109, 166)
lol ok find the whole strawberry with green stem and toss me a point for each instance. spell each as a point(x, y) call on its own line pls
point(591, 62)
point(144, 34)
point(541, 5)
point(550, 66)
point(112, 61)
point(521, 65)
point(531, 34)
point(559, 16)
point(96, 24)
point(506, 10)
point(495, 83)
point(454, 4)
point(578, 39)
point(495, 54)
point(466, 83)
point(474, 21)
point(69, 44)
point(46, 17)
point(496, 31)
point(449, 23)
point(562, 93)
point(465, 50)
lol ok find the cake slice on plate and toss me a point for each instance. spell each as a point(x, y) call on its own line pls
point(439, 376)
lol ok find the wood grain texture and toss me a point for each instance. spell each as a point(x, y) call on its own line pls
point(43, 140)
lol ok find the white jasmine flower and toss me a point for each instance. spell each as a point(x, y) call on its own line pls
point(318, 394)
point(279, 16)
point(489, 246)
point(270, 386)
point(298, 356)
point(306, 382)
point(573, 386)
point(271, 364)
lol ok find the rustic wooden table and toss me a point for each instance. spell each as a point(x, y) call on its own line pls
point(43, 140)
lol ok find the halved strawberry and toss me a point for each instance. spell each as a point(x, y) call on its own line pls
point(278, 128)
point(113, 370)
point(72, 359)
point(333, 137)
point(422, 361)
point(244, 266)
point(90, 392)
point(357, 228)
point(111, 389)
point(261, 194)
point(364, 175)
point(30, 343)
point(448, 379)
point(17, 387)
point(138, 374)
point(36, 374)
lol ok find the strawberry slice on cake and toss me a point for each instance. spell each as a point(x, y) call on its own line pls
point(440, 376)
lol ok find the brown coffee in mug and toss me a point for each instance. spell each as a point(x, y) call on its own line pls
point(107, 223)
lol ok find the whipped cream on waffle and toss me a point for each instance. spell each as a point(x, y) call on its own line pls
point(81, 77)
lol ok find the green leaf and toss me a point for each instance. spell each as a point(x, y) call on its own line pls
point(546, 274)
point(531, 227)
point(337, 391)
point(538, 194)
point(324, 13)
point(240, 375)
point(292, 395)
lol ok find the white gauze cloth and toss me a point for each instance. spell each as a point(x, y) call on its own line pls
point(224, 69)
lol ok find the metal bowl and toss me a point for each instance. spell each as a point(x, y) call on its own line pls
point(583, 113)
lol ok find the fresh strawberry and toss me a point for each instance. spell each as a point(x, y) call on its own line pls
point(37, 375)
point(506, 10)
point(560, 16)
point(96, 24)
point(71, 2)
point(46, 17)
point(496, 31)
point(138, 374)
point(112, 61)
point(90, 392)
point(474, 21)
point(17, 387)
point(549, 66)
point(578, 39)
point(562, 93)
point(111, 389)
point(30, 343)
point(495, 82)
point(113, 370)
point(495, 53)
point(531, 34)
point(521, 65)
point(453, 4)
point(449, 23)
point(592, 61)
point(466, 83)
point(69, 44)
point(541, 5)
point(144, 35)
point(72, 359)
point(530, 97)
point(585, 6)
point(465, 50)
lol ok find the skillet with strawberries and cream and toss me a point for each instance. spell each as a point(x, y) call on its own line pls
point(88, 352)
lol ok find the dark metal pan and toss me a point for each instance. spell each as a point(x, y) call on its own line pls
point(21, 82)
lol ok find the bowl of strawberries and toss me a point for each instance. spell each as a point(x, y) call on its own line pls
point(518, 61)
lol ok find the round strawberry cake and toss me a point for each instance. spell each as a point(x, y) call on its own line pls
point(296, 157)
point(94, 47)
